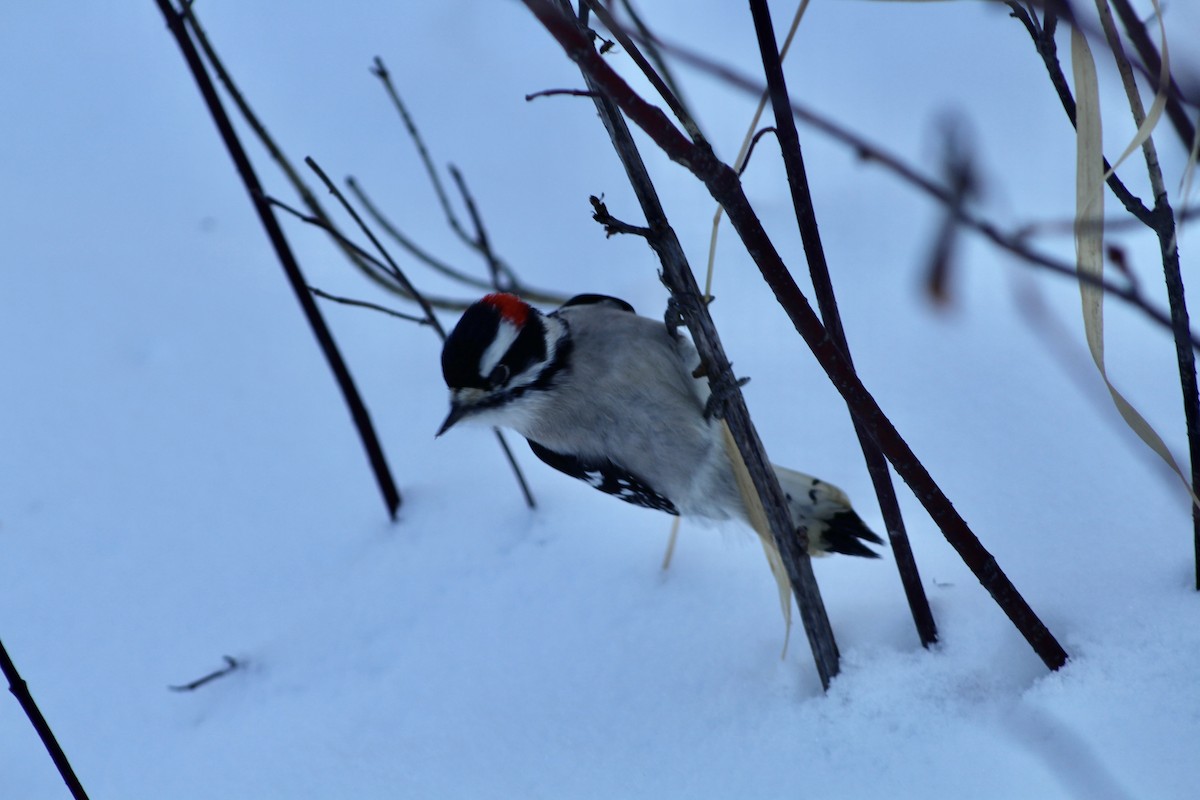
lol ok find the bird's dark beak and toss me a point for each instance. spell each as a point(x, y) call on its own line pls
point(457, 412)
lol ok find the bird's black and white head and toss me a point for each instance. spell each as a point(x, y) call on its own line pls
point(499, 357)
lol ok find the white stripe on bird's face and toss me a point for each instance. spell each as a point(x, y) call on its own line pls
point(506, 334)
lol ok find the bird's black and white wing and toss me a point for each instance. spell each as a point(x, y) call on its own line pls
point(606, 476)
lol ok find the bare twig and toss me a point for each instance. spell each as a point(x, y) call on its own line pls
point(806, 219)
point(960, 177)
point(287, 260)
point(753, 144)
point(614, 226)
point(529, 293)
point(20, 690)
point(558, 93)
point(722, 182)
point(1164, 228)
point(346, 301)
point(231, 664)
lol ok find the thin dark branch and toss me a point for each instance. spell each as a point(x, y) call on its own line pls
point(678, 277)
point(20, 690)
point(517, 473)
point(558, 93)
point(806, 219)
point(231, 664)
point(380, 71)
point(287, 260)
point(753, 144)
point(500, 280)
point(1067, 227)
point(346, 301)
point(961, 178)
point(722, 182)
point(1165, 230)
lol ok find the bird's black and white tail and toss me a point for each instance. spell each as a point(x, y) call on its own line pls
point(833, 526)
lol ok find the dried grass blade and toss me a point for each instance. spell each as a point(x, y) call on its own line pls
point(1089, 235)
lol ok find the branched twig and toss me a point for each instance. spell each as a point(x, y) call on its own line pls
point(722, 182)
point(806, 218)
point(231, 664)
point(614, 226)
point(20, 690)
point(963, 183)
point(394, 269)
point(287, 260)
point(380, 71)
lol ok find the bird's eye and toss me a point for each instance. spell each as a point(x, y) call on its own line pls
point(499, 375)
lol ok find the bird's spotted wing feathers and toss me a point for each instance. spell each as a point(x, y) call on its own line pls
point(606, 476)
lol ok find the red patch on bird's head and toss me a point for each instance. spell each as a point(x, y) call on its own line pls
point(511, 307)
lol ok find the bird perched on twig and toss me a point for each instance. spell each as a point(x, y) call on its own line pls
point(610, 398)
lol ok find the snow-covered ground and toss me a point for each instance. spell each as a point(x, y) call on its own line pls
point(179, 479)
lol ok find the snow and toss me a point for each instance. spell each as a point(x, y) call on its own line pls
point(179, 479)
